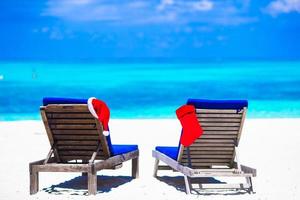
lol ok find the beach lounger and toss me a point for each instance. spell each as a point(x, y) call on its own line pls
point(215, 152)
point(78, 144)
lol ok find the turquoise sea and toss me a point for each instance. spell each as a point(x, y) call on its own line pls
point(151, 90)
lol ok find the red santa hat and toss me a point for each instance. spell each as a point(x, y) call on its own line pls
point(191, 128)
point(100, 110)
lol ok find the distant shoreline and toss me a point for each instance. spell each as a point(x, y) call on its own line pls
point(38, 118)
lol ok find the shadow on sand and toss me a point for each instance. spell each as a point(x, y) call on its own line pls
point(178, 183)
point(78, 185)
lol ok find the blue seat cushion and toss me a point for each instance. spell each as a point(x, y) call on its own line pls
point(55, 100)
point(171, 152)
point(218, 104)
point(117, 149)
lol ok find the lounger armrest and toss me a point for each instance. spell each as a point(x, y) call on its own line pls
point(41, 162)
point(115, 160)
point(172, 163)
point(249, 170)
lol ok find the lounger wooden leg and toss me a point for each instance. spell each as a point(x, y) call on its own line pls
point(187, 185)
point(135, 167)
point(84, 173)
point(92, 180)
point(34, 180)
point(249, 181)
point(155, 167)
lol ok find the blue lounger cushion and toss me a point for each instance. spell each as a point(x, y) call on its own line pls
point(55, 100)
point(171, 152)
point(114, 149)
point(118, 149)
point(218, 104)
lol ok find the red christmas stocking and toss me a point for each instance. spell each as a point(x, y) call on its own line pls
point(191, 128)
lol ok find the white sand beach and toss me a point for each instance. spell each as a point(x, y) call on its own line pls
point(272, 146)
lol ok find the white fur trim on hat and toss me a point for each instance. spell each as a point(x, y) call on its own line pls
point(106, 133)
point(91, 107)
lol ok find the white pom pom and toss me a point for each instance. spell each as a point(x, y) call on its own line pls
point(106, 133)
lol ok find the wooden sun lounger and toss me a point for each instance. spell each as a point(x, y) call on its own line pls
point(77, 145)
point(214, 154)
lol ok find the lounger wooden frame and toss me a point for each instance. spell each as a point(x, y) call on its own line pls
point(77, 145)
point(214, 154)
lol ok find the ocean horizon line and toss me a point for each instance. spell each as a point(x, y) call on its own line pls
point(155, 60)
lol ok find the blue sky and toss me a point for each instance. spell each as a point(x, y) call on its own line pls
point(63, 30)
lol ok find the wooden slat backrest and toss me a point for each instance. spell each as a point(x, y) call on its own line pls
point(216, 147)
point(74, 132)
